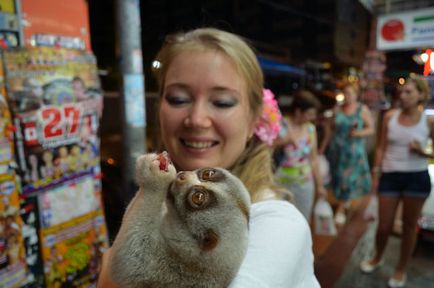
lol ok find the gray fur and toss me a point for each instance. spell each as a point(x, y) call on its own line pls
point(166, 242)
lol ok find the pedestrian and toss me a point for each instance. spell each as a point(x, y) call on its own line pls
point(349, 166)
point(211, 98)
point(401, 159)
point(299, 169)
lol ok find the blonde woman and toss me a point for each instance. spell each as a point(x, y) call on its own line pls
point(211, 99)
point(401, 161)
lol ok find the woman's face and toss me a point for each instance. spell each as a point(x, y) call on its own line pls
point(410, 96)
point(204, 114)
point(309, 115)
point(350, 94)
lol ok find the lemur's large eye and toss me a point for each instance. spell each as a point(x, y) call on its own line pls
point(210, 174)
point(198, 197)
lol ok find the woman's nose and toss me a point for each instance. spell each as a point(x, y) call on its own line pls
point(198, 117)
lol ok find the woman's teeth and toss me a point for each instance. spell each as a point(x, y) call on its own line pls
point(198, 145)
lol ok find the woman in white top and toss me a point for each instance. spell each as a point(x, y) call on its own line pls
point(211, 102)
point(402, 160)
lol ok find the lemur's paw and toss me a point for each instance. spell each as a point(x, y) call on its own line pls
point(154, 166)
point(164, 161)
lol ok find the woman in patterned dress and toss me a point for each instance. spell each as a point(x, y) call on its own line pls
point(298, 171)
point(349, 167)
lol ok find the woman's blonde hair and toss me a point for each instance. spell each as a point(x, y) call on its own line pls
point(422, 86)
point(254, 166)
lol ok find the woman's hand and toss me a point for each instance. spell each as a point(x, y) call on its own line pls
point(357, 133)
point(416, 147)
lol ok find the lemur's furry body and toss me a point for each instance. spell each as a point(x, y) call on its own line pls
point(181, 230)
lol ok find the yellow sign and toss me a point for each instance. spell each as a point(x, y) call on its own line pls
point(7, 6)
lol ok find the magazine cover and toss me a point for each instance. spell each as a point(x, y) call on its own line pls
point(6, 130)
point(56, 101)
point(12, 255)
point(73, 233)
point(6, 137)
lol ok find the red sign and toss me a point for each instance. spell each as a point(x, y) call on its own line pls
point(393, 30)
point(59, 19)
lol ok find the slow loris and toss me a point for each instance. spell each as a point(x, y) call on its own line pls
point(181, 230)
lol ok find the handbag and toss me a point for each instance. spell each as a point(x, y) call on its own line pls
point(371, 211)
point(323, 217)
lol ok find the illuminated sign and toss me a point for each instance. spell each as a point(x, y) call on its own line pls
point(414, 29)
point(428, 59)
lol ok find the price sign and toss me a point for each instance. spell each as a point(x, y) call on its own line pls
point(52, 126)
point(60, 122)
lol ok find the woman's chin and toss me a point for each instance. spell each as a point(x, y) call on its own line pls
point(193, 164)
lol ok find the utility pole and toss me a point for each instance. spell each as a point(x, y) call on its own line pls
point(133, 92)
point(19, 14)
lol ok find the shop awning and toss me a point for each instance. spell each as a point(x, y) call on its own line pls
point(274, 66)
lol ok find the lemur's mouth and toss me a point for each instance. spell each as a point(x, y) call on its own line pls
point(164, 160)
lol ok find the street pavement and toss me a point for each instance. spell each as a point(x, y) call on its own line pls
point(421, 268)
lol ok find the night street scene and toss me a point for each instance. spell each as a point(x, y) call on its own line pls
point(262, 143)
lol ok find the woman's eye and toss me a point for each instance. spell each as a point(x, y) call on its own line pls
point(224, 103)
point(177, 100)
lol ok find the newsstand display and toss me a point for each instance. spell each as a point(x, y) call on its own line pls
point(12, 253)
point(53, 105)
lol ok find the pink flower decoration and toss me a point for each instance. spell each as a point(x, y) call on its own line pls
point(268, 126)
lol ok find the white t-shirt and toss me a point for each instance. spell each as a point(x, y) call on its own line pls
point(280, 249)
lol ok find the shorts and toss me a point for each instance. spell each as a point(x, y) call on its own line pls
point(409, 184)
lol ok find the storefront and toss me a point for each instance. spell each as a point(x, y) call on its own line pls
point(53, 230)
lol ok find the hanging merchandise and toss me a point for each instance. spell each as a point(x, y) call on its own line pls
point(55, 98)
point(373, 67)
point(72, 233)
point(30, 215)
point(56, 23)
point(12, 254)
point(6, 130)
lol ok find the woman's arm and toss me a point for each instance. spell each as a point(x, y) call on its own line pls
point(104, 278)
point(368, 124)
point(286, 138)
point(381, 148)
point(416, 146)
point(319, 187)
point(324, 142)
